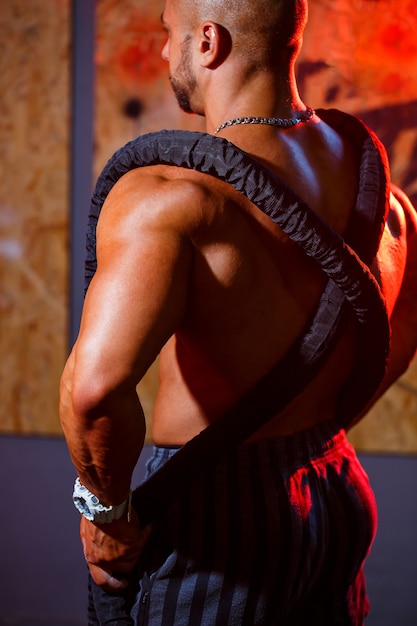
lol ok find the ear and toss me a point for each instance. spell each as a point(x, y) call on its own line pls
point(214, 45)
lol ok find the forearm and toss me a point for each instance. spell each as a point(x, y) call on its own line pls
point(104, 438)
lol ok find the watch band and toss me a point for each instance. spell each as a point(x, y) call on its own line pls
point(90, 506)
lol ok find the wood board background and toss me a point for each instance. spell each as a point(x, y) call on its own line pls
point(350, 60)
point(34, 182)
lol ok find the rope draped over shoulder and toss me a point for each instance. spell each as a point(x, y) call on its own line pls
point(350, 286)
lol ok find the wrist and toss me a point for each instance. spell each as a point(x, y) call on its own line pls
point(89, 505)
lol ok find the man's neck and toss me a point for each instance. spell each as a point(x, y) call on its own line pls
point(263, 95)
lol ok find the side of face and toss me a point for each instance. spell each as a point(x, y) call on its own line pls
point(178, 51)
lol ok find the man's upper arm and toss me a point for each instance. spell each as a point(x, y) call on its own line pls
point(405, 312)
point(138, 295)
point(403, 305)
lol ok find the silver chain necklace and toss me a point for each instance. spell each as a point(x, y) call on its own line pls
point(282, 122)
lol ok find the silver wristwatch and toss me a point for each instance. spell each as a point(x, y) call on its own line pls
point(90, 506)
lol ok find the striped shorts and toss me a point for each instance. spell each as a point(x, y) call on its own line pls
point(276, 534)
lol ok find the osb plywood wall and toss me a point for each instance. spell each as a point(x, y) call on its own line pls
point(350, 60)
point(34, 141)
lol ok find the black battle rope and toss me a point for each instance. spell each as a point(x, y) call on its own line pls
point(350, 286)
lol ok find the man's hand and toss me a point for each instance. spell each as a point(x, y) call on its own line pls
point(112, 550)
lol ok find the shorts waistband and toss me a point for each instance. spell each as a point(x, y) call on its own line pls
point(301, 447)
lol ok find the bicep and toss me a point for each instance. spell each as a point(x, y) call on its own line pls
point(137, 297)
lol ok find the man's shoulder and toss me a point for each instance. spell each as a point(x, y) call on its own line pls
point(397, 254)
point(162, 194)
point(401, 204)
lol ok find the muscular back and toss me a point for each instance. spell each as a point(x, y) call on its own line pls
point(230, 293)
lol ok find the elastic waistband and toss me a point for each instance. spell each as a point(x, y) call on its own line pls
point(301, 447)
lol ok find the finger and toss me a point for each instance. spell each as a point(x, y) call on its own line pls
point(113, 583)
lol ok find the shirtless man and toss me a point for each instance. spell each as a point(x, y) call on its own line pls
point(191, 269)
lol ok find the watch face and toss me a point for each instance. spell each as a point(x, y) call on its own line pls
point(82, 505)
point(90, 506)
